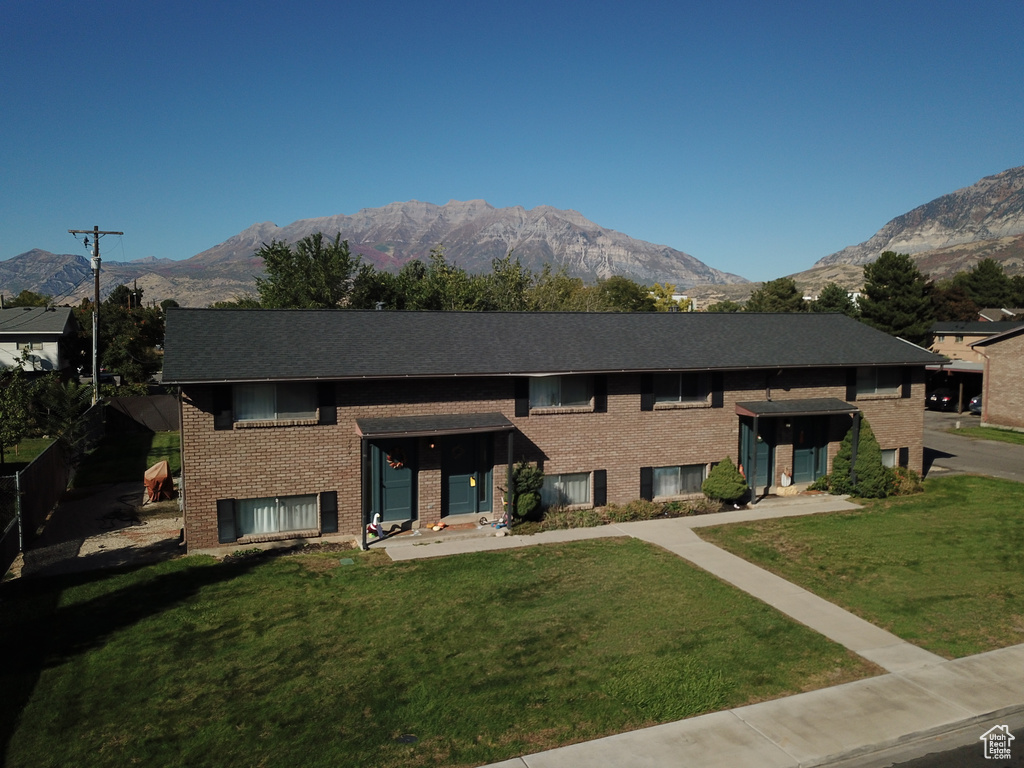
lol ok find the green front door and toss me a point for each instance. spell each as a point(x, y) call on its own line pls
point(809, 448)
point(466, 475)
point(394, 481)
point(757, 453)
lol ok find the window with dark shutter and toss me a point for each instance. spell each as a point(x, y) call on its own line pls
point(329, 512)
point(226, 531)
point(646, 392)
point(647, 483)
point(600, 394)
point(600, 487)
point(223, 418)
point(326, 403)
point(522, 396)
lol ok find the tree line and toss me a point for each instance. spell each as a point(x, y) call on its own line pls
point(320, 273)
point(897, 298)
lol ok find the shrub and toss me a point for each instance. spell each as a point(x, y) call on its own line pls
point(874, 480)
point(527, 480)
point(640, 509)
point(724, 482)
point(905, 482)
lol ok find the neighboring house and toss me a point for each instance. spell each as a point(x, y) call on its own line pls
point(43, 332)
point(954, 338)
point(301, 423)
point(1003, 398)
point(997, 314)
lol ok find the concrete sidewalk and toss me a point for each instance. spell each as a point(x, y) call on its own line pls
point(924, 704)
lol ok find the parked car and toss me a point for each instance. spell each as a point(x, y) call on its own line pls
point(942, 399)
point(975, 405)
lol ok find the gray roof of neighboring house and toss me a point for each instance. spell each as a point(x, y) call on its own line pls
point(974, 327)
point(215, 345)
point(27, 321)
point(1012, 329)
point(995, 314)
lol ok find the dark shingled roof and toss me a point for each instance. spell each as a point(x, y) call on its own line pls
point(974, 327)
point(215, 345)
point(820, 406)
point(23, 321)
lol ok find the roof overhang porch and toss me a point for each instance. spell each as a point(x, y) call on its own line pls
point(434, 425)
point(786, 409)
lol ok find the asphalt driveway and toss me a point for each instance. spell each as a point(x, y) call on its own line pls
point(945, 453)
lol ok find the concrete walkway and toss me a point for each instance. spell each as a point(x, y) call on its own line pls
point(925, 703)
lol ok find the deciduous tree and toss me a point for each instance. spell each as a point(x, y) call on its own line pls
point(313, 274)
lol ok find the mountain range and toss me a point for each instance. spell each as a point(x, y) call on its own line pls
point(945, 236)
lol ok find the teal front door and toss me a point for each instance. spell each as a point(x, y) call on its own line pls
point(757, 452)
point(809, 448)
point(466, 475)
point(394, 481)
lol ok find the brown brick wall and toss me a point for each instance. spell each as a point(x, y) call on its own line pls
point(1003, 400)
point(294, 460)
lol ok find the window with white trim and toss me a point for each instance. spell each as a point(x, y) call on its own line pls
point(889, 457)
point(269, 401)
point(878, 381)
point(561, 392)
point(686, 387)
point(565, 490)
point(677, 481)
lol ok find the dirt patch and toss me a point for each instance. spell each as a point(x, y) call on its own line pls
point(103, 526)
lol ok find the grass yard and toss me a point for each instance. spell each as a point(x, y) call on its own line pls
point(27, 449)
point(943, 569)
point(991, 433)
point(303, 660)
point(123, 458)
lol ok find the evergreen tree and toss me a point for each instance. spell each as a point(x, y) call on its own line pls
point(986, 284)
point(835, 298)
point(895, 298)
point(781, 295)
point(873, 479)
point(724, 482)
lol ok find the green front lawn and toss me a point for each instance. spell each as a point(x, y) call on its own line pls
point(304, 660)
point(124, 458)
point(991, 433)
point(943, 569)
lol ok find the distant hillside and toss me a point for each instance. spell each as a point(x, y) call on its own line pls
point(473, 233)
point(953, 232)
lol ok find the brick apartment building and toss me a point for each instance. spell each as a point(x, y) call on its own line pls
point(306, 423)
point(1003, 398)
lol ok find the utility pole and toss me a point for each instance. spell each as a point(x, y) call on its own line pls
point(95, 264)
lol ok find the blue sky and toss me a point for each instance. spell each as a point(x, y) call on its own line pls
point(757, 137)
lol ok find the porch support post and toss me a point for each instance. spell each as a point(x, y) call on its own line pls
point(364, 501)
point(752, 470)
point(853, 448)
point(508, 480)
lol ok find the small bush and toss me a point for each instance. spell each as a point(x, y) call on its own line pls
point(557, 518)
point(905, 482)
point(527, 480)
point(873, 478)
point(640, 509)
point(724, 482)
